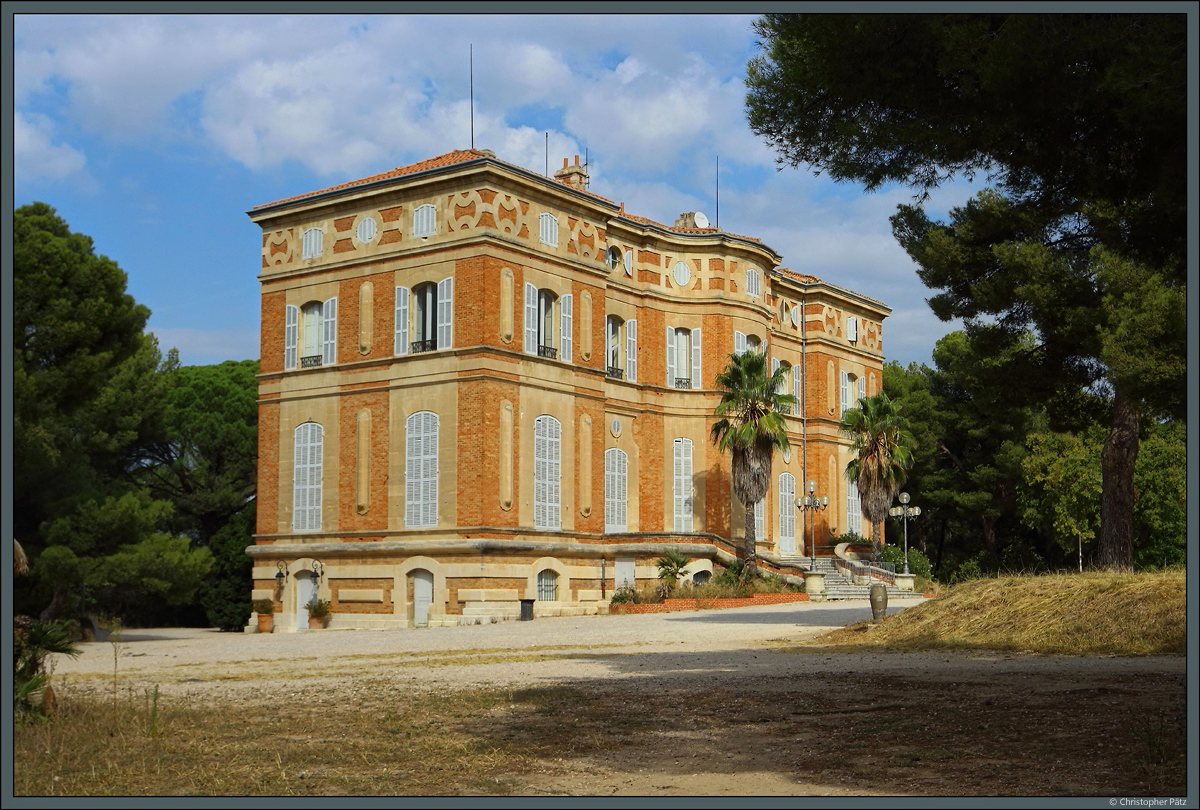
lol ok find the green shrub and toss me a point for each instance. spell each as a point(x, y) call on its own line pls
point(918, 563)
point(263, 606)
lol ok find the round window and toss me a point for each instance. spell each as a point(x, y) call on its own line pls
point(682, 274)
point(613, 257)
point(366, 230)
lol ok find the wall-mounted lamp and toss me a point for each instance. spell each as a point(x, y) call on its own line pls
point(281, 574)
point(318, 569)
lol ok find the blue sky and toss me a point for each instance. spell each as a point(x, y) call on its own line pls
point(155, 134)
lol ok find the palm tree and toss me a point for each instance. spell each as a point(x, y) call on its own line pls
point(749, 425)
point(671, 567)
point(883, 451)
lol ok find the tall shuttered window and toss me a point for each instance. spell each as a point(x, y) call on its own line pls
point(853, 508)
point(547, 474)
point(425, 317)
point(310, 334)
point(787, 514)
point(760, 522)
point(308, 439)
point(616, 490)
point(683, 358)
point(421, 470)
point(752, 281)
point(683, 485)
point(566, 319)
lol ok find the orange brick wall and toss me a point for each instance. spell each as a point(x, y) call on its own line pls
point(268, 468)
point(478, 484)
point(271, 332)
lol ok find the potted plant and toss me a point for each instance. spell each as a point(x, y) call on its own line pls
point(265, 608)
point(318, 613)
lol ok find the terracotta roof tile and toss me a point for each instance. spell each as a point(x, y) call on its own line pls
point(448, 159)
point(806, 278)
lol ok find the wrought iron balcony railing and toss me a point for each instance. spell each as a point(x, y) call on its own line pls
point(615, 373)
point(683, 382)
point(549, 352)
point(311, 361)
point(418, 346)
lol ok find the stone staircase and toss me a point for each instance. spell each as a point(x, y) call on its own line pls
point(839, 586)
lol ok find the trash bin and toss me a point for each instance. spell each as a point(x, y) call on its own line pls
point(527, 610)
point(879, 601)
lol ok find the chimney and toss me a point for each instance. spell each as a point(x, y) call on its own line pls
point(574, 176)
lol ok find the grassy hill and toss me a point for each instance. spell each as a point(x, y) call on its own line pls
point(1088, 614)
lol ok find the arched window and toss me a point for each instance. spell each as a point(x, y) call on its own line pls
point(547, 475)
point(620, 342)
point(310, 331)
point(425, 317)
point(421, 470)
point(783, 383)
point(547, 586)
point(616, 490)
point(701, 577)
point(549, 324)
point(308, 440)
point(752, 281)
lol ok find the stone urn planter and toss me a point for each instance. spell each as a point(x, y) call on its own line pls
point(906, 582)
point(814, 585)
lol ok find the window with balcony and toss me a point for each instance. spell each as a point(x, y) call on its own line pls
point(425, 317)
point(683, 358)
point(620, 348)
point(310, 334)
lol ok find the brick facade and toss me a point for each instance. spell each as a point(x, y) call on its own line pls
point(480, 546)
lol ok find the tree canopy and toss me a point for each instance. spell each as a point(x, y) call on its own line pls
point(1079, 124)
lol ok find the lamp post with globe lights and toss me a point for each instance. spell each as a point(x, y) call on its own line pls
point(905, 511)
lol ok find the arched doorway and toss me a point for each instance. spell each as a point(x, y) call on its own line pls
point(306, 591)
point(422, 596)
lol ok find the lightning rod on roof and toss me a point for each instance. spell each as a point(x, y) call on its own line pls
point(547, 153)
point(718, 214)
point(472, 71)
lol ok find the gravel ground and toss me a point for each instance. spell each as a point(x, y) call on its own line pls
point(1053, 725)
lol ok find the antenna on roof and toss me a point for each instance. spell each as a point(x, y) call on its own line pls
point(472, 69)
point(547, 153)
point(718, 192)
point(587, 181)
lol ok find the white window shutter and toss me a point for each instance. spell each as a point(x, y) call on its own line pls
point(697, 380)
point(670, 357)
point(616, 484)
point(845, 401)
point(631, 350)
point(401, 346)
point(739, 343)
point(759, 521)
point(291, 336)
point(566, 317)
point(796, 386)
point(424, 220)
point(531, 318)
point(306, 477)
point(329, 332)
point(852, 329)
point(445, 312)
point(787, 513)
point(547, 512)
point(628, 261)
point(421, 470)
point(683, 485)
point(862, 389)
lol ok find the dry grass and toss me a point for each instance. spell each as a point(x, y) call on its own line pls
point(395, 745)
point(1078, 614)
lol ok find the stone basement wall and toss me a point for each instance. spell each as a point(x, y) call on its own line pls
point(670, 605)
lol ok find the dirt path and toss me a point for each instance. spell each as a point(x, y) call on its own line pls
point(716, 703)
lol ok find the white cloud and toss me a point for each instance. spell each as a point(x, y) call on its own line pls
point(35, 153)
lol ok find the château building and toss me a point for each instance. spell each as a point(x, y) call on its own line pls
point(480, 385)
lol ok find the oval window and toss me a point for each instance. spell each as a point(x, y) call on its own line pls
point(366, 230)
point(682, 273)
